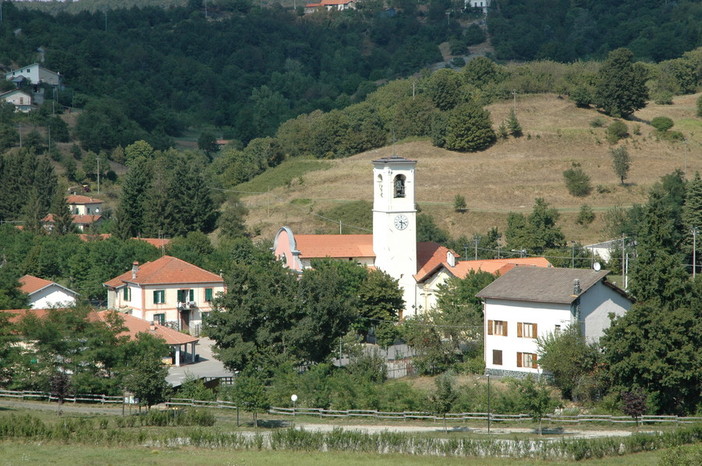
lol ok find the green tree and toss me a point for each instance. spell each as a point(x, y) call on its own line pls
point(621, 162)
point(9, 351)
point(427, 230)
point(515, 129)
point(535, 398)
point(444, 89)
point(207, 142)
point(33, 214)
point(138, 152)
point(585, 216)
point(134, 187)
point(250, 392)
point(577, 181)
point(568, 358)
point(231, 222)
point(380, 300)
point(63, 219)
point(621, 84)
point(616, 130)
point(469, 129)
point(536, 232)
point(459, 203)
point(147, 380)
point(482, 72)
point(444, 397)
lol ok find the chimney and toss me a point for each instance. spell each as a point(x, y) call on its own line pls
point(135, 269)
point(576, 287)
point(152, 327)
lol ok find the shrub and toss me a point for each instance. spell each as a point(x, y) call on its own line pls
point(662, 124)
point(581, 97)
point(699, 106)
point(586, 216)
point(598, 122)
point(577, 181)
point(663, 98)
point(459, 203)
point(616, 130)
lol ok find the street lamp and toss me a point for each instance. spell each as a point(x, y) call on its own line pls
point(293, 398)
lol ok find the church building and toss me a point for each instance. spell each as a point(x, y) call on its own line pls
point(419, 267)
point(393, 246)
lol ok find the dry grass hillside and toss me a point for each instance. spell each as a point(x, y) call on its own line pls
point(507, 177)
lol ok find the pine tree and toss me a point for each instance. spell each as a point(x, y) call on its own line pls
point(32, 214)
point(515, 129)
point(136, 183)
point(63, 220)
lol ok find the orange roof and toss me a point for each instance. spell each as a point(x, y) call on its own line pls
point(30, 284)
point(78, 199)
point(431, 256)
point(136, 326)
point(334, 246)
point(92, 237)
point(15, 315)
point(495, 266)
point(166, 270)
point(156, 242)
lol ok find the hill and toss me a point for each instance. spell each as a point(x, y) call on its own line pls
point(505, 178)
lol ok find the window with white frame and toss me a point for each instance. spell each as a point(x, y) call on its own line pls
point(497, 327)
point(527, 330)
point(527, 360)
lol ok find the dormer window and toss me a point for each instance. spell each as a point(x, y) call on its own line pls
point(399, 186)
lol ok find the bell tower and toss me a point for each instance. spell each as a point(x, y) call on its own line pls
point(395, 223)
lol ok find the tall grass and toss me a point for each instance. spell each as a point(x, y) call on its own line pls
point(115, 432)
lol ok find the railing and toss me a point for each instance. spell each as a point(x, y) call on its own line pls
point(366, 413)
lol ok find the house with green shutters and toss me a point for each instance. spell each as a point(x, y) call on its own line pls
point(167, 291)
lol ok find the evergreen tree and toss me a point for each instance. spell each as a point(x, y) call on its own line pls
point(156, 204)
point(32, 215)
point(469, 129)
point(63, 220)
point(190, 206)
point(692, 209)
point(621, 84)
point(136, 182)
point(515, 129)
point(231, 221)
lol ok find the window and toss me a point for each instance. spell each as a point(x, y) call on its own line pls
point(497, 327)
point(497, 357)
point(159, 296)
point(208, 295)
point(186, 295)
point(400, 186)
point(160, 318)
point(526, 330)
point(557, 330)
point(127, 294)
point(526, 360)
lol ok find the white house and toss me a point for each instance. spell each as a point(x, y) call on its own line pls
point(531, 302)
point(44, 294)
point(482, 4)
point(20, 99)
point(331, 5)
point(36, 74)
point(168, 291)
point(84, 205)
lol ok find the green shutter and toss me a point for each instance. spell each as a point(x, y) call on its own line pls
point(192, 295)
point(181, 296)
point(208, 294)
point(156, 300)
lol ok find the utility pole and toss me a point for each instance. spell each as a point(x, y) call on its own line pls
point(476, 240)
point(623, 257)
point(98, 172)
point(572, 254)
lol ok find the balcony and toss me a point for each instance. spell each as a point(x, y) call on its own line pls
point(186, 305)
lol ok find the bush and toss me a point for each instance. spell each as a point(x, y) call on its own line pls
point(662, 124)
point(586, 216)
point(663, 98)
point(581, 97)
point(598, 122)
point(577, 181)
point(616, 130)
point(699, 106)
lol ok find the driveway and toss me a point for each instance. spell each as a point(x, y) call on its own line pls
point(207, 365)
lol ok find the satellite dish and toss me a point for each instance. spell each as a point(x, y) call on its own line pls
point(596, 266)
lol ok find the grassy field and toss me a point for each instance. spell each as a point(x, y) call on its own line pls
point(508, 177)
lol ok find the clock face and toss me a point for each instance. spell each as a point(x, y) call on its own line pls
point(401, 222)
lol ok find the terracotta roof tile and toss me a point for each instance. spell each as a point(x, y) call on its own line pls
point(86, 219)
point(334, 246)
point(495, 266)
point(78, 199)
point(31, 284)
point(136, 326)
point(431, 256)
point(166, 270)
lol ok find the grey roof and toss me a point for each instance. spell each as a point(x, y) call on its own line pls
point(541, 285)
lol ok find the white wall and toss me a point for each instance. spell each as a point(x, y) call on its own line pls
point(546, 316)
point(51, 296)
point(595, 307)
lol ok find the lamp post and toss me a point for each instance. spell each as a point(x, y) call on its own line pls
point(293, 398)
point(488, 400)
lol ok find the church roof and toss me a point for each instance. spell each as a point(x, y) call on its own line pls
point(334, 246)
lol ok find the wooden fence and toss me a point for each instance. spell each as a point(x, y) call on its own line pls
point(364, 413)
